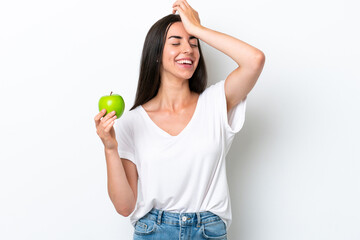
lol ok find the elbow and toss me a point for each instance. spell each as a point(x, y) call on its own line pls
point(259, 60)
point(125, 212)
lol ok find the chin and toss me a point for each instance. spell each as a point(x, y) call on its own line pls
point(186, 76)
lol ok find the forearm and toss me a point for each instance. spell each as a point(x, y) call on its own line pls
point(119, 188)
point(242, 53)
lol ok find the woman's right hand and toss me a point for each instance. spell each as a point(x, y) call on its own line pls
point(105, 129)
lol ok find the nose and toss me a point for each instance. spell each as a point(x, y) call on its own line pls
point(187, 48)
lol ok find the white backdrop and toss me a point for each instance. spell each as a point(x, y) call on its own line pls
point(293, 170)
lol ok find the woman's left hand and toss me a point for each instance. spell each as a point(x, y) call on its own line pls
point(189, 17)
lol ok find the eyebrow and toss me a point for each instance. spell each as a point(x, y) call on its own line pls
point(178, 37)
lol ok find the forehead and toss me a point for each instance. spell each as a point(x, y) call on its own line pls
point(177, 28)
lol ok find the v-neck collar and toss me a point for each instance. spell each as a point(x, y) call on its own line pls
point(163, 132)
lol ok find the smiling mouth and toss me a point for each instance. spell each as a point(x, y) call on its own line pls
point(184, 65)
point(186, 62)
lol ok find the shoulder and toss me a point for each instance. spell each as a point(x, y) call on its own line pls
point(214, 89)
point(149, 106)
point(128, 118)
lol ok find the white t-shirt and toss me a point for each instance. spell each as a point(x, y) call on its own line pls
point(183, 173)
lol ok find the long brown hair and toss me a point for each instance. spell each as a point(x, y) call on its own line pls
point(149, 78)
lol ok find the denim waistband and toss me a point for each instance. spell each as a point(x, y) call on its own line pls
point(189, 218)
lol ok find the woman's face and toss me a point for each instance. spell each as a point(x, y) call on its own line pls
point(179, 45)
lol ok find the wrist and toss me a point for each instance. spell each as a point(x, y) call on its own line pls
point(198, 30)
point(110, 149)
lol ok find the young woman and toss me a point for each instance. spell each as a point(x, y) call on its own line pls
point(166, 162)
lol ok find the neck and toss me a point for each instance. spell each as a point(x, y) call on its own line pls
point(174, 94)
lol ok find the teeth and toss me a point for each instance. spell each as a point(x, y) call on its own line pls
point(184, 61)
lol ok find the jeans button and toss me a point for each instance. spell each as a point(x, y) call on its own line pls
point(184, 218)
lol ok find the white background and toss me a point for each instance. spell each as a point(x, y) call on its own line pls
point(293, 170)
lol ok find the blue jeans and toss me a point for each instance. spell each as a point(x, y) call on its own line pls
point(163, 225)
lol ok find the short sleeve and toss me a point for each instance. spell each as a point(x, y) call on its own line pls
point(234, 120)
point(124, 138)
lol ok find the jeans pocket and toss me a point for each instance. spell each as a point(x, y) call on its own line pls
point(215, 230)
point(145, 226)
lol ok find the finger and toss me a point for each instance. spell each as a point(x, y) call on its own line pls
point(109, 115)
point(178, 9)
point(106, 123)
point(186, 4)
point(176, 3)
point(109, 126)
point(99, 116)
point(180, 4)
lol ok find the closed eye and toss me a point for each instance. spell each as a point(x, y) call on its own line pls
point(193, 45)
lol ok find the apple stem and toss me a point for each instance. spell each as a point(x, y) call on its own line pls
point(110, 93)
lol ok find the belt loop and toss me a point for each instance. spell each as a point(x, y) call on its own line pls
point(198, 219)
point(159, 217)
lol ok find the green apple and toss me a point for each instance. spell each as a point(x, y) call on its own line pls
point(112, 102)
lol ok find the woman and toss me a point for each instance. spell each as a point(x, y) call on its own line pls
point(173, 142)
